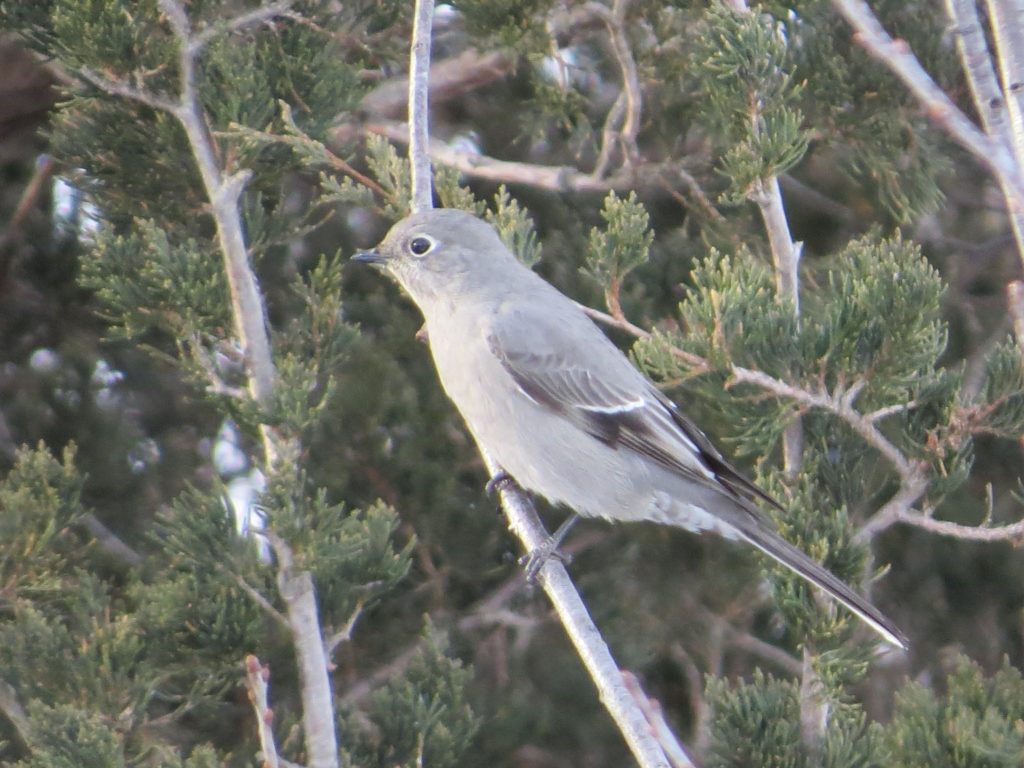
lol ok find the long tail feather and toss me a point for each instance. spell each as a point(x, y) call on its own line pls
point(785, 553)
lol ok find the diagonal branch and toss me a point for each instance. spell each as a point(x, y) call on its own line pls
point(976, 60)
point(241, 21)
point(247, 304)
point(895, 54)
point(593, 652)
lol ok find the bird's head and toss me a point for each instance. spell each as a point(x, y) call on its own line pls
point(440, 253)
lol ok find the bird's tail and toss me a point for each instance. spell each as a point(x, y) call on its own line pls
point(773, 545)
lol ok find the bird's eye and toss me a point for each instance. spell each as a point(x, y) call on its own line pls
point(421, 246)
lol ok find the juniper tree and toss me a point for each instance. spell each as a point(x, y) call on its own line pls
point(771, 222)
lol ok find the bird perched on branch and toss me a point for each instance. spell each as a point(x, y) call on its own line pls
point(561, 408)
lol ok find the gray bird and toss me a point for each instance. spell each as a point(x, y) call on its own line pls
point(561, 409)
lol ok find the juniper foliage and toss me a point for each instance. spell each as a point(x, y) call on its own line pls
point(131, 590)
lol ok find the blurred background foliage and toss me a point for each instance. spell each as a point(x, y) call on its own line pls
point(126, 579)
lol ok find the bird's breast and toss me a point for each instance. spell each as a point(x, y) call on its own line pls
point(540, 448)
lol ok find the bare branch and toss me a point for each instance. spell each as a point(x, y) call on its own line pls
point(837, 404)
point(786, 259)
point(257, 678)
point(590, 646)
point(977, 64)
point(344, 634)
point(299, 596)
point(814, 708)
point(419, 108)
point(911, 489)
point(655, 716)
point(257, 683)
point(1008, 35)
point(449, 79)
point(250, 322)
point(898, 57)
point(891, 410)
point(111, 543)
point(240, 22)
point(623, 121)
point(554, 178)
point(989, 100)
point(257, 597)
point(15, 713)
point(35, 186)
point(758, 647)
point(130, 92)
point(1015, 303)
point(610, 136)
point(1012, 532)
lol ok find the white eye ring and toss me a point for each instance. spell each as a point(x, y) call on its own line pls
point(421, 245)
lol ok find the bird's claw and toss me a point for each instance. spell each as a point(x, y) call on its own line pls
point(499, 482)
point(535, 560)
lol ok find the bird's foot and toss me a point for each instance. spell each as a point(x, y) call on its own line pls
point(501, 481)
point(534, 561)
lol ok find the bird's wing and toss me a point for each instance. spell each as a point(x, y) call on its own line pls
point(571, 368)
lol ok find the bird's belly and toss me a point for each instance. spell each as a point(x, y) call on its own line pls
point(552, 457)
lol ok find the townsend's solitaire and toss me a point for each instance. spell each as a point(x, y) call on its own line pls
point(561, 409)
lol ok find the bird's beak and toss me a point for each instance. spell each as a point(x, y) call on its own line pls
point(369, 257)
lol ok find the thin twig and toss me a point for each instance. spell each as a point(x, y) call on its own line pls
point(758, 647)
point(553, 178)
point(111, 543)
point(419, 115)
point(623, 121)
point(695, 362)
point(697, 193)
point(296, 137)
point(256, 596)
point(610, 135)
point(257, 678)
point(1015, 303)
point(891, 410)
point(344, 634)
point(130, 92)
point(29, 197)
point(239, 22)
point(655, 716)
point(1012, 532)
point(899, 58)
point(15, 713)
